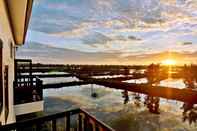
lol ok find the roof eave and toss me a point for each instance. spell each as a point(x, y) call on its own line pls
point(19, 28)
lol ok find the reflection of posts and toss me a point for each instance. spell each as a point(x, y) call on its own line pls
point(153, 73)
point(189, 76)
point(152, 104)
point(153, 76)
point(189, 113)
point(137, 99)
point(186, 107)
point(125, 96)
point(35, 95)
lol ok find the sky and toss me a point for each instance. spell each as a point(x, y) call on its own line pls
point(131, 28)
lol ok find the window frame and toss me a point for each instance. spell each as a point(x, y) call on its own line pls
point(1, 76)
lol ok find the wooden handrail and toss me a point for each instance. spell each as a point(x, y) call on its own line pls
point(100, 123)
point(54, 117)
point(23, 90)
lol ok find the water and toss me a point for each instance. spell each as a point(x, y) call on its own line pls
point(137, 71)
point(59, 80)
point(108, 76)
point(174, 83)
point(138, 81)
point(109, 107)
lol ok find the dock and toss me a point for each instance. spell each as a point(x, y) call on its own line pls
point(183, 95)
point(84, 73)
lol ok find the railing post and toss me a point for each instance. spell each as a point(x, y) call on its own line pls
point(54, 125)
point(68, 121)
point(97, 127)
point(80, 123)
point(39, 87)
point(85, 124)
point(93, 125)
point(30, 72)
point(38, 127)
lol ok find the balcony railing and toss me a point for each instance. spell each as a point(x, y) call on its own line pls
point(75, 120)
point(27, 88)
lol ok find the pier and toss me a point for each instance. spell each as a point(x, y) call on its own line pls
point(84, 73)
point(183, 95)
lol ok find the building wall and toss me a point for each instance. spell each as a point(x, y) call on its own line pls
point(8, 50)
point(27, 108)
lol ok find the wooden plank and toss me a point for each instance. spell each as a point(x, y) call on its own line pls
point(65, 84)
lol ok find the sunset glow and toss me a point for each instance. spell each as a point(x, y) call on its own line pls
point(120, 31)
point(169, 62)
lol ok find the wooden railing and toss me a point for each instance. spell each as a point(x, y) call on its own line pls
point(22, 64)
point(28, 89)
point(77, 120)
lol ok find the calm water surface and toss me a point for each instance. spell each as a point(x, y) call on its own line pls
point(109, 107)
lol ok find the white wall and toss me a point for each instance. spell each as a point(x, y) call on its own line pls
point(26, 108)
point(7, 38)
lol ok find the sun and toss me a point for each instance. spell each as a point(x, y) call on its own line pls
point(169, 62)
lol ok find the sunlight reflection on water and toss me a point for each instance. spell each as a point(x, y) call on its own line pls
point(175, 83)
point(138, 81)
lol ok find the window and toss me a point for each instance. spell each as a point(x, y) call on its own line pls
point(11, 50)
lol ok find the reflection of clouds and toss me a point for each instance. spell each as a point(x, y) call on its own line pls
point(110, 104)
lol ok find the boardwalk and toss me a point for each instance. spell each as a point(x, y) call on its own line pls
point(184, 95)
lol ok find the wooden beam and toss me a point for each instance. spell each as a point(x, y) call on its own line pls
point(184, 95)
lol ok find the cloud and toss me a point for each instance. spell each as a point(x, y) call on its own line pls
point(187, 43)
point(126, 26)
point(96, 37)
point(47, 54)
point(134, 38)
point(111, 14)
point(57, 41)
